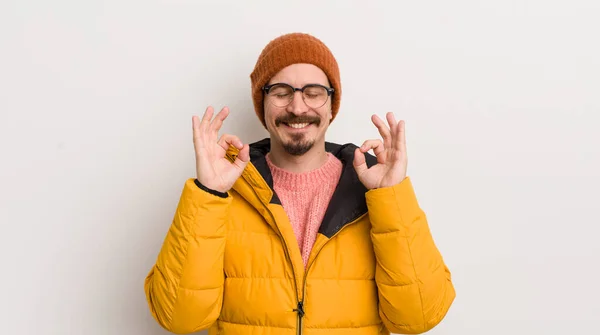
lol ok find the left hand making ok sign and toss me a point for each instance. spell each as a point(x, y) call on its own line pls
point(391, 155)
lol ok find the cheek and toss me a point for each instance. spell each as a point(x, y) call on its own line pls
point(328, 111)
point(328, 115)
point(268, 113)
point(271, 113)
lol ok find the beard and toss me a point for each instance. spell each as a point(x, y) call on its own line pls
point(298, 145)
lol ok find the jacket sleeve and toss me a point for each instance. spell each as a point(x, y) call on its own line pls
point(414, 285)
point(184, 288)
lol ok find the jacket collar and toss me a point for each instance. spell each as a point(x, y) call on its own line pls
point(348, 200)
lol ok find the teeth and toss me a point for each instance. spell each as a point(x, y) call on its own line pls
point(298, 125)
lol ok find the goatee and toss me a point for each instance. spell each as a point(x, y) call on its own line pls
point(298, 146)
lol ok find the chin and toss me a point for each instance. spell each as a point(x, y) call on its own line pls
point(298, 145)
point(298, 148)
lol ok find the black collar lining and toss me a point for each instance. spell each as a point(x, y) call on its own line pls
point(348, 200)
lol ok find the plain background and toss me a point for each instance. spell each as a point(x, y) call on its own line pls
point(501, 102)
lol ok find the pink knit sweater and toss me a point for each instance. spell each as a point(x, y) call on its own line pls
point(305, 197)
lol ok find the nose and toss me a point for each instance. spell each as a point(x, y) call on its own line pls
point(297, 106)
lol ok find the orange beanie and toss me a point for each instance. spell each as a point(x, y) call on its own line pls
point(291, 49)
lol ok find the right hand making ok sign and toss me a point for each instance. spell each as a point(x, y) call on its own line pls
point(213, 169)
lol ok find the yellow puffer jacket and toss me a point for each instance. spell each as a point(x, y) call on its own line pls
point(232, 264)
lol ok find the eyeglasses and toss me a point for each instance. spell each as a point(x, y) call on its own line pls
point(282, 94)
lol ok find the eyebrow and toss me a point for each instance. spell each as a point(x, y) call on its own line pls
point(309, 83)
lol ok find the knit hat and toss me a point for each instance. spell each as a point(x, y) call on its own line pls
point(291, 49)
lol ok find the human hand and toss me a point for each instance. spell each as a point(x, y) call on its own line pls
point(213, 169)
point(391, 155)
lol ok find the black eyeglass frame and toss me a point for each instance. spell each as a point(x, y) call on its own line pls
point(330, 90)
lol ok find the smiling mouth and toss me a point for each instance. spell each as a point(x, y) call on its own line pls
point(297, 125)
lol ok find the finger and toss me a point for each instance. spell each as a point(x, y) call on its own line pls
point(244, 156)
point(196, 131)
point(397, 137)
point(377, 147)
point(208, 114)
point(384, 131)
point(402, 136)
point(205, 121)
point(391, 118)
point(195, 125)
point(359, 162)
point(217, 122)
point(227, 139)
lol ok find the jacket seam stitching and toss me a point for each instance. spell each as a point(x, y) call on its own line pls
point(355, 327)
point(251, 325)
point(198, 289)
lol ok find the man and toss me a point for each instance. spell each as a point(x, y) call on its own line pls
point(292, 234)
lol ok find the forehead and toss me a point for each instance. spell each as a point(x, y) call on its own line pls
point(300, 75)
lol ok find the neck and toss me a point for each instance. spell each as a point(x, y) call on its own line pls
point(311, 160)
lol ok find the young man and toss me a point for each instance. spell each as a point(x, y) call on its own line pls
point(292, 234)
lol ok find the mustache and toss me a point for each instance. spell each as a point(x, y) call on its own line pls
point(291, 118)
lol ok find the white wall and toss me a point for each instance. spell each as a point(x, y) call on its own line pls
point(501, 101)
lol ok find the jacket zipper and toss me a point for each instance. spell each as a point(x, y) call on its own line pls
point(300, 303)
point(300, 309)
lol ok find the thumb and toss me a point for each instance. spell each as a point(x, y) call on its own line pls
point(360, 164)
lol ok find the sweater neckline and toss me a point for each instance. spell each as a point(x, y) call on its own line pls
point(326, 173)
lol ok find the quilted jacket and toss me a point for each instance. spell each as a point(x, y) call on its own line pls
point(230, 262)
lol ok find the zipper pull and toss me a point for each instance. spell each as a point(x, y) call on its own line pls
point(300, 309)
